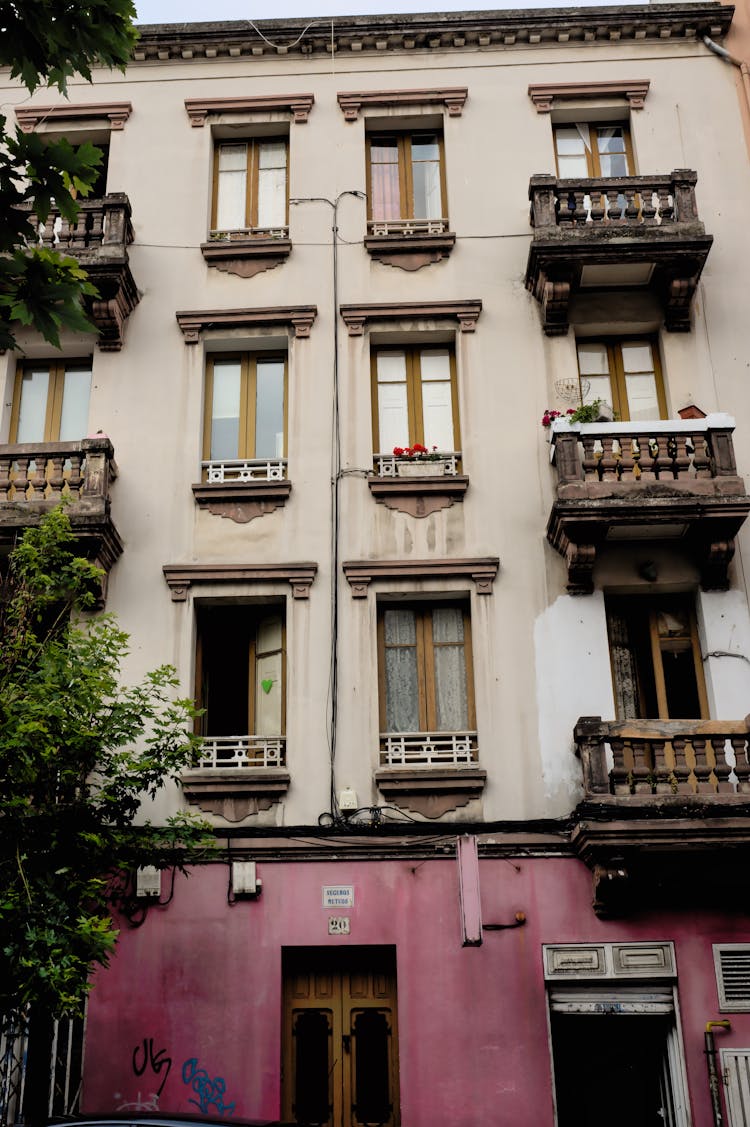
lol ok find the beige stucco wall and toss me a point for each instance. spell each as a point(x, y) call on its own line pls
point(540, 657)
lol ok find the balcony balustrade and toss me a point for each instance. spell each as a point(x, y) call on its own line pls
point(239, 752)
point(430, 772)
point(98, 239)
point(654, 758)
point(409, 243)
point(671, 479)
point(398, 749)
point(418, 486)
point(615, 231)
point(246, 251)
point(243, 488)
point(235, 776)
point(36, 476)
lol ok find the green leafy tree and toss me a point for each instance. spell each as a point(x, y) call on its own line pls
point(44, 43)
point(78, 752)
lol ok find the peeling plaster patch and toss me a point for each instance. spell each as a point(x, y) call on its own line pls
point(724, 629)
point(573, 679)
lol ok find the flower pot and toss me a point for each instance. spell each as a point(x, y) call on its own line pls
point(420, 469)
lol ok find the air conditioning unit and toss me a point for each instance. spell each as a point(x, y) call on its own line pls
point(245, 880)
point(148, 883)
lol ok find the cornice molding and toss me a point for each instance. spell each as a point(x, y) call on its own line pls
point(546, 95)
point(29, 117)
point(181, 577)
point(357, 317)
point(361, 573)
point(432, 32)
point(298, 105)
point(300, 318)
point(453, 98)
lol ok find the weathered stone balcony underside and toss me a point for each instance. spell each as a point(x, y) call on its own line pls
point(34, 477)
point(99, 240)
point(666, 812)
point(662, 480)
point(641, 231)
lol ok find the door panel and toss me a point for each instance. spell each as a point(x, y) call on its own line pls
point(340, 1051)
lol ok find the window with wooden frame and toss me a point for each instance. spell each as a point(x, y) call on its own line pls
point(245, 408)
point(241, 670)
point(588, 149)
point(406, 177)
point(425, 668)
point(415, 399)
point(51, 401)
point(624, 373)
point(657, 671)
point(250, 189)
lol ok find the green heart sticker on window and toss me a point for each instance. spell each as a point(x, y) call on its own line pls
point(267, 685)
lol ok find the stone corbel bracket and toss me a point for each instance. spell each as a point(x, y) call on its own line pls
point(28, 117)
point(547, 95)
point(466, 313)
point(181, 577)
point(300, 318)
point(452, 98)
point(361, 573)
point(298, 105)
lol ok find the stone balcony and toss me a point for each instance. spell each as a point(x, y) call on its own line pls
point(632, 231)
point(36, 476)
point(665, 817)
point(235, 776)
point(99, 240)
point(671, 480)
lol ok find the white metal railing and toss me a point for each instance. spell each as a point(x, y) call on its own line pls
point(241, 751)
point(223, 235)
point(245, 469)
point(398, 749)
point(408, 226)
point(388, 464)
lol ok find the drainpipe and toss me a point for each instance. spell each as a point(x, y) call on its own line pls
point(714, 1083)
point(742, 67)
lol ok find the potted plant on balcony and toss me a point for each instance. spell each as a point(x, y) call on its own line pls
point(418, 461)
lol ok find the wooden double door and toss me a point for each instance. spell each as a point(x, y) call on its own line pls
point(340, 1037)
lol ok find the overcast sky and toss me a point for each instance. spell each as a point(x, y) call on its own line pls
point(188, 11)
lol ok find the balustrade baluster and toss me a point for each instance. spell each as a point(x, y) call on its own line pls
point(702, 456)
point(702, 769)
point(21, 478)
point(647, 462)
point(681, 769)
point(666, 207)
point(618, 776)
point(722, 769)
point(596, 212)
point(75, 474)
point(590, 459)
point(662, 772)
point(648, 208)
point(680, 455)
point(565, 208)
point(5, 480)
point(614, 205)
point(581, 211)
point(55, 477)
point(658, 449)
point(642, 767)
point(38, 479)
point(742, 764)
point(631, 205)
point(608, 461)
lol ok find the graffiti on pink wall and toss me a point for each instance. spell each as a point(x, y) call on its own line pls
point(148, 1063)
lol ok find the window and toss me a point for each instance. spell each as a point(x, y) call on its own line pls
point(415, 399)
point(250, 185)
point(240, 682)
point(657, 670)
point(426, 678)
point(406, 177)
point(588, 150)
point(51, 401)
point(626, 374)
point(245, 415)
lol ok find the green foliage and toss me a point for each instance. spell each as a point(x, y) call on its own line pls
point(78, 751)
point(45, 42)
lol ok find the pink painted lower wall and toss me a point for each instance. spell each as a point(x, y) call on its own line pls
point(188, 1017)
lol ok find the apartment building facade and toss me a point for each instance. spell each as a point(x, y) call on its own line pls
point(474, 688)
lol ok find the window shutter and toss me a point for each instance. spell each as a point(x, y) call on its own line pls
point(733, 976)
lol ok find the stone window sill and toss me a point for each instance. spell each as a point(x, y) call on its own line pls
point(241, 501)
point(431, 791)
point(410, 251)
point(248, 256)
point(233, 794)
point(418, 496)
